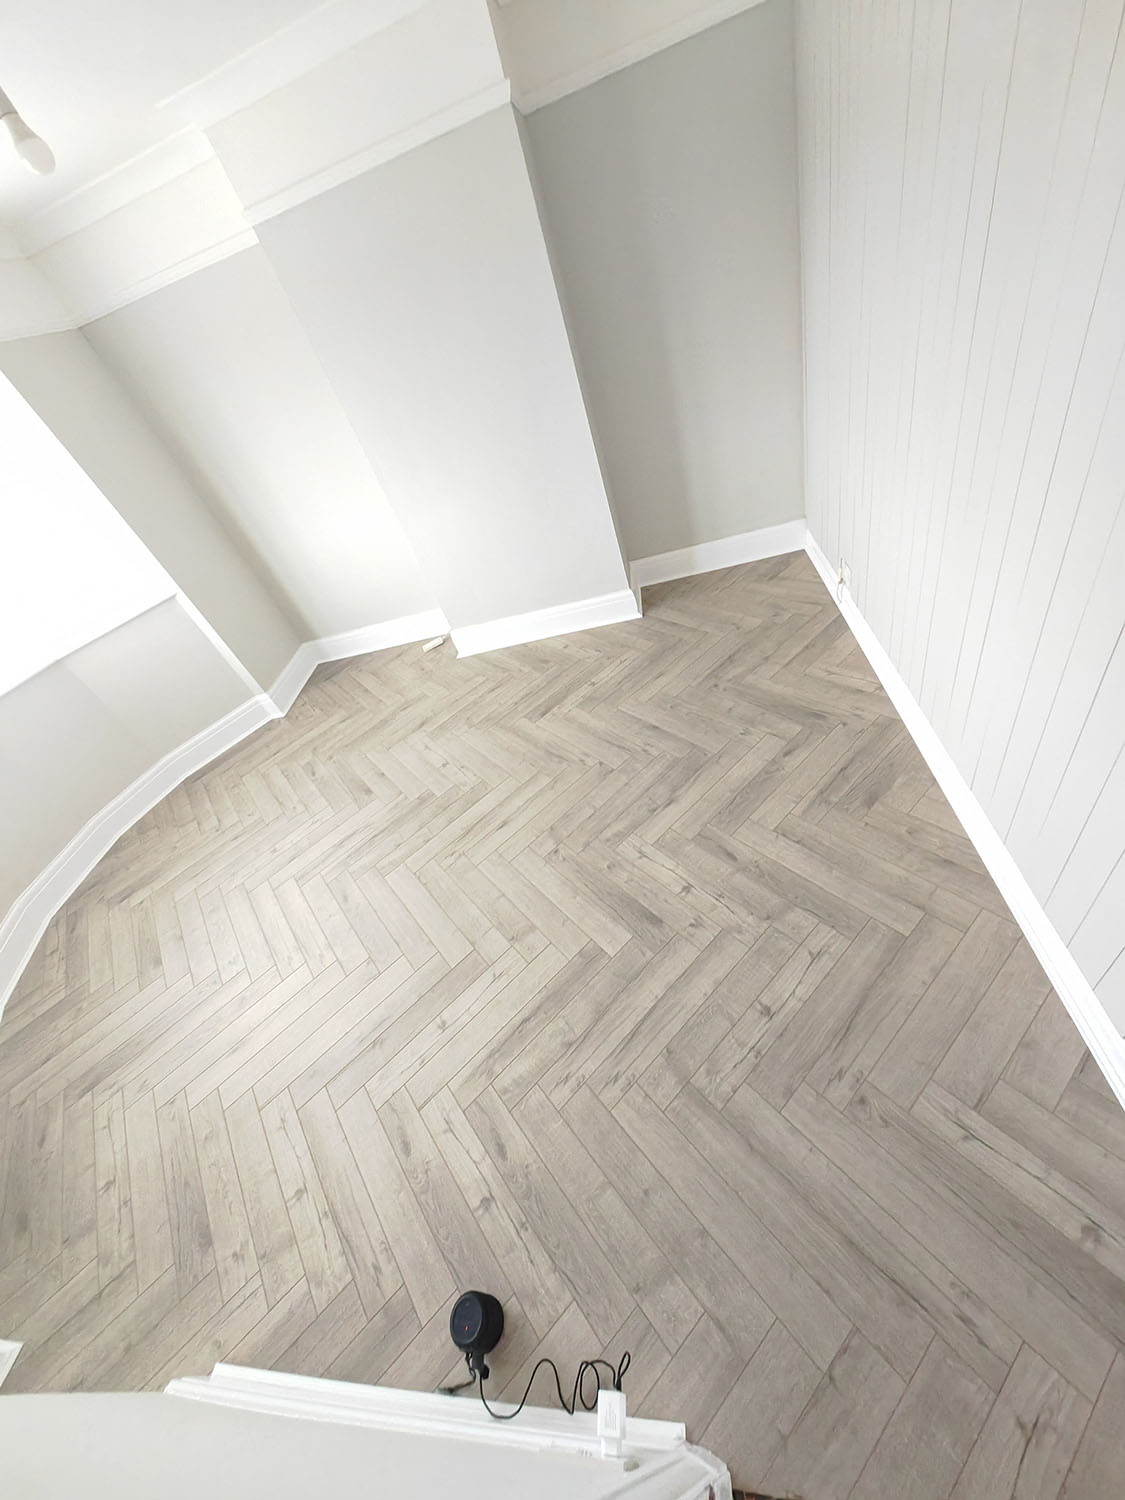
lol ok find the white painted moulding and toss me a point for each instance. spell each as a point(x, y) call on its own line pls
point(542, 624)
point(1106, 1044)
point(594, 39)
point(726, 552)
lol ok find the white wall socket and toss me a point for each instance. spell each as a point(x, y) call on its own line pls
point(844, 576)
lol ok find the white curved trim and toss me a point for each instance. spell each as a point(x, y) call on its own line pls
point(27, 919)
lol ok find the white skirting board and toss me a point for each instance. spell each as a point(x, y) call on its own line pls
point(727, 552)
point(401, 632)
point(541, 624)
point(27, 918)
point(1106, 1044)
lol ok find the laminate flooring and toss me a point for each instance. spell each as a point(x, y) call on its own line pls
point(642, 977)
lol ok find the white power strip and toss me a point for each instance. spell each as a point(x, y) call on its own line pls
point(611, 1422)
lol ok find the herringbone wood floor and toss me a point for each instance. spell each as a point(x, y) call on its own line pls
point(642, 977)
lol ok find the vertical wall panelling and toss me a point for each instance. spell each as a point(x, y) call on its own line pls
point(962, 168)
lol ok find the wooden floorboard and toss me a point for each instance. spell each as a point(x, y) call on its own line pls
point(642, 977)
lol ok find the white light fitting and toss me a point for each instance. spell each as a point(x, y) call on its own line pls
point(32, 150)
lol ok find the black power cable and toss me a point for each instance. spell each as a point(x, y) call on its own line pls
point(579, 1394)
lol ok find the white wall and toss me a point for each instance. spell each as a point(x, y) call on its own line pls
point(70, 569)
point(68, 385)
point(425, 287)
point(221, 367)
point(78, 733)
point(670, 197)
point(962, 171)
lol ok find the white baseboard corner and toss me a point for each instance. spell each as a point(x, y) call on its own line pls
point(292, 678)
point(9, 1350)
point(1106, 1044)
point(401, 632)
point(726, 552)
point(542, 624)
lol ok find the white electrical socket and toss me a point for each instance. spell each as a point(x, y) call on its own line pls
point(844, 576)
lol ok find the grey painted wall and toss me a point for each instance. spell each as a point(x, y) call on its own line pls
point(962, 171)
point(426, 291)
point(669, 192)
point(224, 372)
point(78, 733)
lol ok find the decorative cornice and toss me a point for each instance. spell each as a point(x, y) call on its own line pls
point(125, 184)
point(551, 49)
point(342, 90)
point(495, 96)
point(288, 54)
point(169, 232)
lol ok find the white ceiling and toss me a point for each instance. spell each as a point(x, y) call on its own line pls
point(89, 76)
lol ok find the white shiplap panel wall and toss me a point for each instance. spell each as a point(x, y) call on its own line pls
point(963, 242)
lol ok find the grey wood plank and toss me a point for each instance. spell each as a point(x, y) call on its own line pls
point(551, 1214)
point(467, 1252)
point(826, 1015)
point(1049, 1136)
point(526, 1264)
point(825, 1452)
point(810, 1316)
point(114, 1201)
point(151, 1224)
point(981, 1050)
point(762, 1407)
point(654, 1283)
point(1049, 1052)
point(80, 1224)
point(863, 1293)
point(695, 1384)
point(235, 1259)
point(275, 1244)
point(417, 1256)
point(957, 1236)
point(192, 1248)
point(1096, 1470)
point(927, 1034)
point(924, 1445)
point(1030, 1437)
point(318, 1240)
